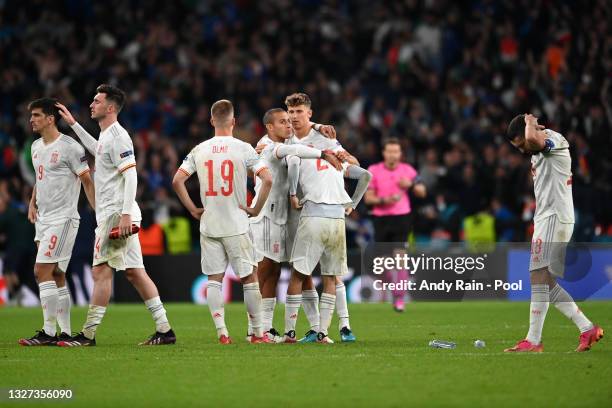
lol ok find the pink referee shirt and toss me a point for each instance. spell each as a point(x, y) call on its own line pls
point(385, 183)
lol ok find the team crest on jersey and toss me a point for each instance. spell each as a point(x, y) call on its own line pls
point(54, 157)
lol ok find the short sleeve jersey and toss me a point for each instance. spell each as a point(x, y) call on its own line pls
point(58, 166)
point(552, 179)
point(221, 164)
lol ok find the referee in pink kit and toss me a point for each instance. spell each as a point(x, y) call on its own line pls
point(388, 194)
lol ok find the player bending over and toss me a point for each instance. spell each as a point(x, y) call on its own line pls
point(551, 167)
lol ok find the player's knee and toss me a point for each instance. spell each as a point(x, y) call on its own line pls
point(540, 276)
point(251, 278)
point(101, 274)
point(43, 272)
point(130, 275)
point(60, 279)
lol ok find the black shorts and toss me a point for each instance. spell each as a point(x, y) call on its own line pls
point(392, 228)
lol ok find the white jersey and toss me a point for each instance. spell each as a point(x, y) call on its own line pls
point(317, 140)
point(552, 179)
point(278, 202)
point(221, 164)
point(114, 155)
point(319, 181)
point(58, 166)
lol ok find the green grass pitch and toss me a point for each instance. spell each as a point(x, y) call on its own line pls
point(390, 365)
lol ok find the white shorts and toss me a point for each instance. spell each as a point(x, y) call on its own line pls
point(236, 250)
point(120, 254)
point(55, 242)
point(549, 243)
point(320, 240)
point(269, 240)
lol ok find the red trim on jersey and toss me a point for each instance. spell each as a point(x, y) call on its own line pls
point(129, 166)
point(185, 172)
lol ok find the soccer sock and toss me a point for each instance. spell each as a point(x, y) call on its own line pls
point(49, 300)
point(564, 302)
point(252, 300)
point(342, 307)
point(292, 307)
point(94, 318)
point(267, 309)
point(249, 325)
point(327, 311)
point(158, 312)
point(63, 309)
point(537, 312)
point(400, 275)
point(310, 300)
point(214, 297)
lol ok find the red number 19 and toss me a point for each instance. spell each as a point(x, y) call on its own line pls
point(227, 174)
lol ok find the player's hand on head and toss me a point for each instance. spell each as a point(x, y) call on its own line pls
point(65, 114)
point(331, 158)
point(530, 119)
point(197, 213)
point(328, 131)
point(295, 202)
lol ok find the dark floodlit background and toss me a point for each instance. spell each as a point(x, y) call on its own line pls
point(443, 76)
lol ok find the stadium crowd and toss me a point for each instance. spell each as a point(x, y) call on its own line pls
point(444, 77)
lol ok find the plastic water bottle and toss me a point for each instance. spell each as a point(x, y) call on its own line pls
point(442, 344)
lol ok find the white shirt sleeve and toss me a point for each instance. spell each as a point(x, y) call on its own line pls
point(302, 151)
point(189, 166)
point(77, 160)
point(122, 153)
point(88, 140)
point(252, 160)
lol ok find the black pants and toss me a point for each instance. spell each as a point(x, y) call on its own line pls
point(392, 228)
